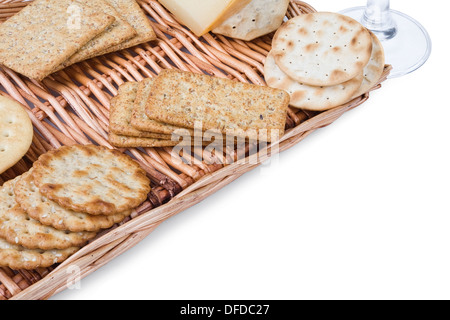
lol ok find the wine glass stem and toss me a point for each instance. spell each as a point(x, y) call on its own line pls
point(377, 18)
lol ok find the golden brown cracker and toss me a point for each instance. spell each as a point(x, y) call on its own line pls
point(120, 141)
point(49, 213)
point(17, 228)
point(17, 257)
point(121, 110)
point(134, 15)
point(118, 32)
point(91, 179)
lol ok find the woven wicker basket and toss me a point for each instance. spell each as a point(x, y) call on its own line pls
point(71, 107)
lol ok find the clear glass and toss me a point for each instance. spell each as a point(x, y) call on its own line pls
point(406, 43)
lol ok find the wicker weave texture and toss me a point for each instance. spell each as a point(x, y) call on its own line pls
point(72, 107)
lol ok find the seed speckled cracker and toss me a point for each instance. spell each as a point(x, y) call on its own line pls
point(258, 18)
point(120, 141)
point(17, 257)
point(17, 228)
point(139, 118)
point(121, 109)
point(221, 105)
point(135, 16)
point(46, 33)
point(119, 31)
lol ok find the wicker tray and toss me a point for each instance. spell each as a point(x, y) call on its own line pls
point(71, 107)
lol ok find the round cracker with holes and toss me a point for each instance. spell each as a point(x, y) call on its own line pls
point(322, 49)
point(91, 179)
point(16, 133)
point(52, 214)
point(374, 69)
point(17, 228)
point(308, 97)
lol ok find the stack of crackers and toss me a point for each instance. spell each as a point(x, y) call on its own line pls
point(67, 197)
point(324, 60)
point(49, 35)
point(158, 112)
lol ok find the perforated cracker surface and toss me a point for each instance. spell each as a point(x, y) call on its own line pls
point(308, 97)
point(16, 133)
point(322, 49)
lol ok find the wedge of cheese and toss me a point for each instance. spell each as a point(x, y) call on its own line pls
point(201, 16)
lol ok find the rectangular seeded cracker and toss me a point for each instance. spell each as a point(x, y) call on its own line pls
point(139, 119)
point(132, 12)
point(115, 34)
point(220, 105)
point(46, 33)
point(120, 114)
point(121, 141)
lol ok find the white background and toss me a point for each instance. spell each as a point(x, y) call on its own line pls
point(358, 210)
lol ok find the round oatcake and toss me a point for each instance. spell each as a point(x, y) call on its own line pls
point(91, 179)
point(322, 48)
point(17, 228)
point(17, 257)
point(52, 214)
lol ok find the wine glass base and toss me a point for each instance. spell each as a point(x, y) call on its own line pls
point(407, 45)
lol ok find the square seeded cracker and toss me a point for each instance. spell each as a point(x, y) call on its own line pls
point(42, 36)
point(139, 119)
point(220, 105)
point(121, 141)
point(115, 34)
point(121, 109)
point(134, 15)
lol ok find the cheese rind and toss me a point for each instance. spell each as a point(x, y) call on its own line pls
point(201, 16)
